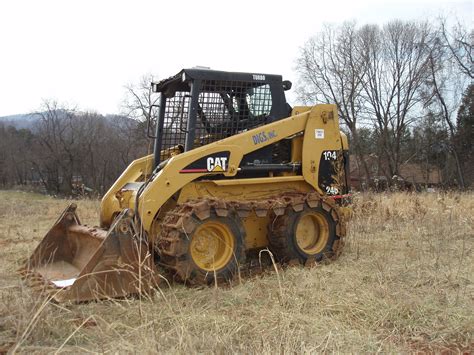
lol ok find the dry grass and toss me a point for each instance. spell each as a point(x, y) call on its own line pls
point(404, 283)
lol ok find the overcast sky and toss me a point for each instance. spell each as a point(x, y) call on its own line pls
point(82, 53)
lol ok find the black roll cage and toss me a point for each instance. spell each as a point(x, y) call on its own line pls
point(227, 85)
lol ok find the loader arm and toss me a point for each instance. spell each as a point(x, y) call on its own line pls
point(171, 179)
point(109, 205)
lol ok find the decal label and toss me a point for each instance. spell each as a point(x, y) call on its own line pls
point(258, 77)
point(262, 137)
point(331, 190)
point(331, 173)
point(319, 133)
point(217, 164)
point(330, 155)
point(212, 163)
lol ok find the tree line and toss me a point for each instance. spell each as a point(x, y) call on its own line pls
point(69, 152)
point(72, 152)
point(404, 92)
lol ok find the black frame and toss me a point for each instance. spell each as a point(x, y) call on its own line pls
point(192, 84)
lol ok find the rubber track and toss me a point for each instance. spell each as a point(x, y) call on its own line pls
point(179, 223)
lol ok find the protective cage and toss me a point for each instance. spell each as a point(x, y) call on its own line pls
point(196, 110)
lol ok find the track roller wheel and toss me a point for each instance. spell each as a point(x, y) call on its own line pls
point(305, 235)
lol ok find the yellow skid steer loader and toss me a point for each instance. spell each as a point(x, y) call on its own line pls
point(234, 170)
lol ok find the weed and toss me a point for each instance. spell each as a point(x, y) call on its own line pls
point(404, 283)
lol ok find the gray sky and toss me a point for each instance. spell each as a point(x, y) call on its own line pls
point(84, 52)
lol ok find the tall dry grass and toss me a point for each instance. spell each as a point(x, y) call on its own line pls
point(404, 283)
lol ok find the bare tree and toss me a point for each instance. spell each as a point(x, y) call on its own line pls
point(397, 63)
point(450, 71)
point(465, 134)
point(83, 148)
point(141, 105)
point(68, 148)
point(140, 101)
point(16, 146)
point(331, 70)
point(57, 158)
point(459, 44)
point(373, 75)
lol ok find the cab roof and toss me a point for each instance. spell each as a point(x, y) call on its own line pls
point(180, 81)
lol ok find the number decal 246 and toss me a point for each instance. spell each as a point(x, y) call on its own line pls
point(330, 190)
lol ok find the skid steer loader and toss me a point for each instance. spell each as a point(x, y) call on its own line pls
point(234, 169)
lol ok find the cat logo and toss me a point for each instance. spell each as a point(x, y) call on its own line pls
point(217, 164)
point(212, 163)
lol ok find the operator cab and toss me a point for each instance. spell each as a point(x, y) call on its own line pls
point(201, 106)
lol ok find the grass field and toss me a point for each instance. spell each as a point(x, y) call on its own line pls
point(404, 283)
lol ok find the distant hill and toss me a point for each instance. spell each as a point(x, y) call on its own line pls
point(28, 121)
point(19, 121)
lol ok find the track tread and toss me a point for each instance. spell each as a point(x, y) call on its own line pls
point(172, 242)
point(278, 228)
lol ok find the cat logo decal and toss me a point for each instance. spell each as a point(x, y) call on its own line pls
point(212, 163)
point(217, 164)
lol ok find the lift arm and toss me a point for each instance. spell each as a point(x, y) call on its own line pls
point(321, 132)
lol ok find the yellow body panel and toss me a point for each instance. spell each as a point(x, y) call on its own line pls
point(243, 189)
point(110, 205)
point(300, 109)
point(345, 141)
point(256, 230)
point(297, 149)
point(307, 121)
point(321, 133)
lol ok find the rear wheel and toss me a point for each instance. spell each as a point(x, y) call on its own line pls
point(307, 234)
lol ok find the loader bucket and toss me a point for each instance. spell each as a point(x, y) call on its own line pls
point(75, 262)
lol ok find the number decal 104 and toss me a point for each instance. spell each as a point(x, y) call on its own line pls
point(330, 155)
